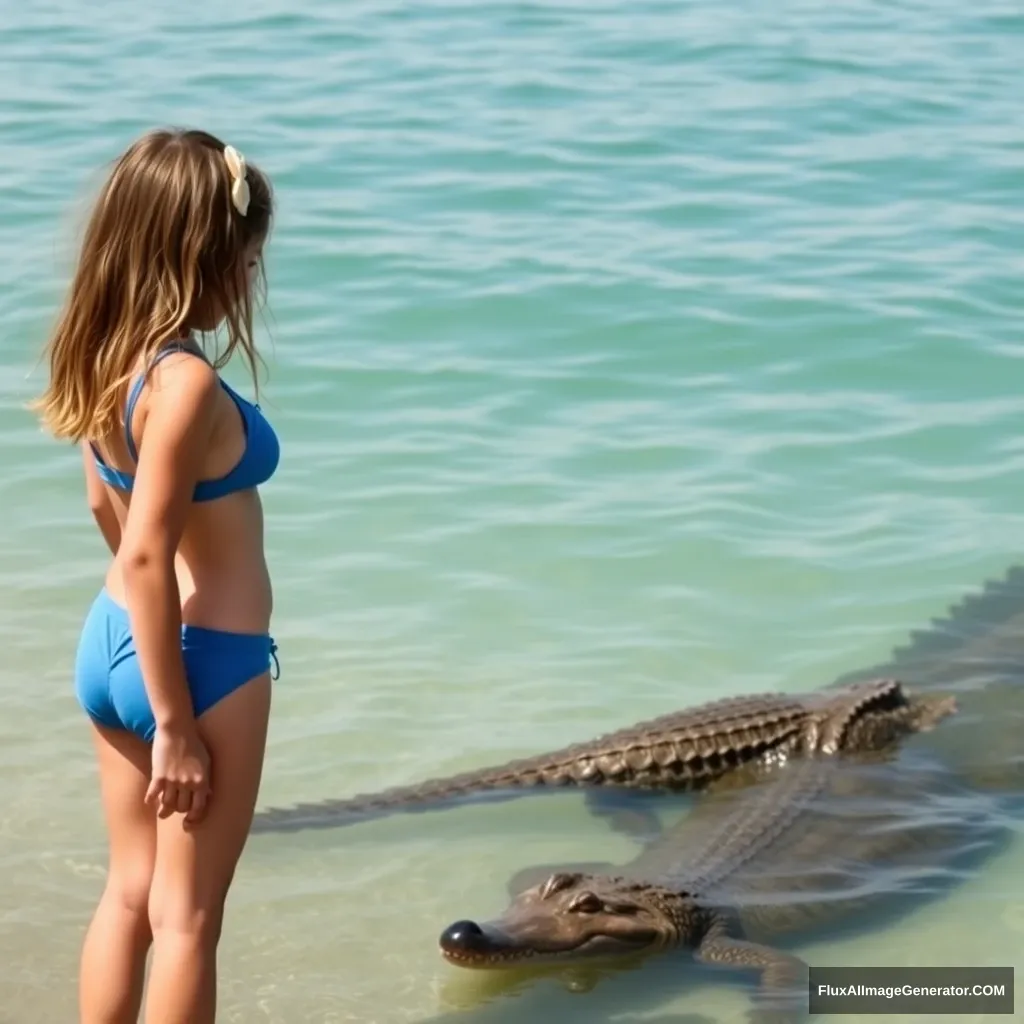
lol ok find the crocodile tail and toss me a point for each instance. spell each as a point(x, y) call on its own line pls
point(504, 783)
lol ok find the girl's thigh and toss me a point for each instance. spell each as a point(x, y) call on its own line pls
point(196, 863)
point(124, 769)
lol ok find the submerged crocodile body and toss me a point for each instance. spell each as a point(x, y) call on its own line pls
point(680, 752)
point(791, 850)
point(775, 852)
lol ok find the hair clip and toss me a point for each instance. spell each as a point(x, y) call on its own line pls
point(239, 186)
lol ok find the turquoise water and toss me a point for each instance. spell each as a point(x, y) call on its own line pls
point(624, 356)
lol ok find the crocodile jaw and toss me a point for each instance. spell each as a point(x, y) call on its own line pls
point(488, 947)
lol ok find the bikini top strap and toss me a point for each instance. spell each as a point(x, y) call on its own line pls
point(136, 390)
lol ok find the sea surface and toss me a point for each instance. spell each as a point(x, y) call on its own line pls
point(624, 356)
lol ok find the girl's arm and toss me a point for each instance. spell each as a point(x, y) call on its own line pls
point(178, 428)
point(99, 501)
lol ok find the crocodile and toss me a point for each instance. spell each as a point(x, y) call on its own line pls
point(770, 855)
point(775, 852)
point(680, 752)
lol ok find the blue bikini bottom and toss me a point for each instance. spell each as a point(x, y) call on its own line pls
point(108, 682)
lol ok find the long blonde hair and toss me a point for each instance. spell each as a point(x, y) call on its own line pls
point(163, 248)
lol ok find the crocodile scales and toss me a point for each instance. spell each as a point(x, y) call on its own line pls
point(679, 752)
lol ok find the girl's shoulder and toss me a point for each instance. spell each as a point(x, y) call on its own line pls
point(182, 385)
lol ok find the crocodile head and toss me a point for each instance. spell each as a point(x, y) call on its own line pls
point(571, 917)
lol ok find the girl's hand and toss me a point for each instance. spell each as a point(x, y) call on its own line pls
point(180, 776)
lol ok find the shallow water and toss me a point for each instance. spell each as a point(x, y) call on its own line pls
point(624, 356)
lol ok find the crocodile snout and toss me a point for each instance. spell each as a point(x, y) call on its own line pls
point(462, 938)
point(469, 944)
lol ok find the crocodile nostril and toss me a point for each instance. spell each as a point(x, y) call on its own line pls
point(463, 935)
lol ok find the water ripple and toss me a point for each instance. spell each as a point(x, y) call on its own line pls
point(623, 356)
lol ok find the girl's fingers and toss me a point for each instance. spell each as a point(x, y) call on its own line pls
point(184, 802)
point(199, 801)
point(168, 800)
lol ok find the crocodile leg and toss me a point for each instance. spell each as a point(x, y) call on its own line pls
point(782, 995)
point(629, 813)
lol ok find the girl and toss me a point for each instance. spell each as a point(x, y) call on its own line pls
point(173, 662)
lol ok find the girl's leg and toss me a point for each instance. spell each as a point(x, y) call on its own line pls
point(194, 867)
point(114, 953)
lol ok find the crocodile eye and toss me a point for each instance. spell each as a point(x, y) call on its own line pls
point(557, 882)
point(586, 903)
point(621, 909)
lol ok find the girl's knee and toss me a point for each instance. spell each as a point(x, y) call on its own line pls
point(187, 911)
point(129, 888)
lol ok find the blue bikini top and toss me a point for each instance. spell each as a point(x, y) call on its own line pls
point(256, 466)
